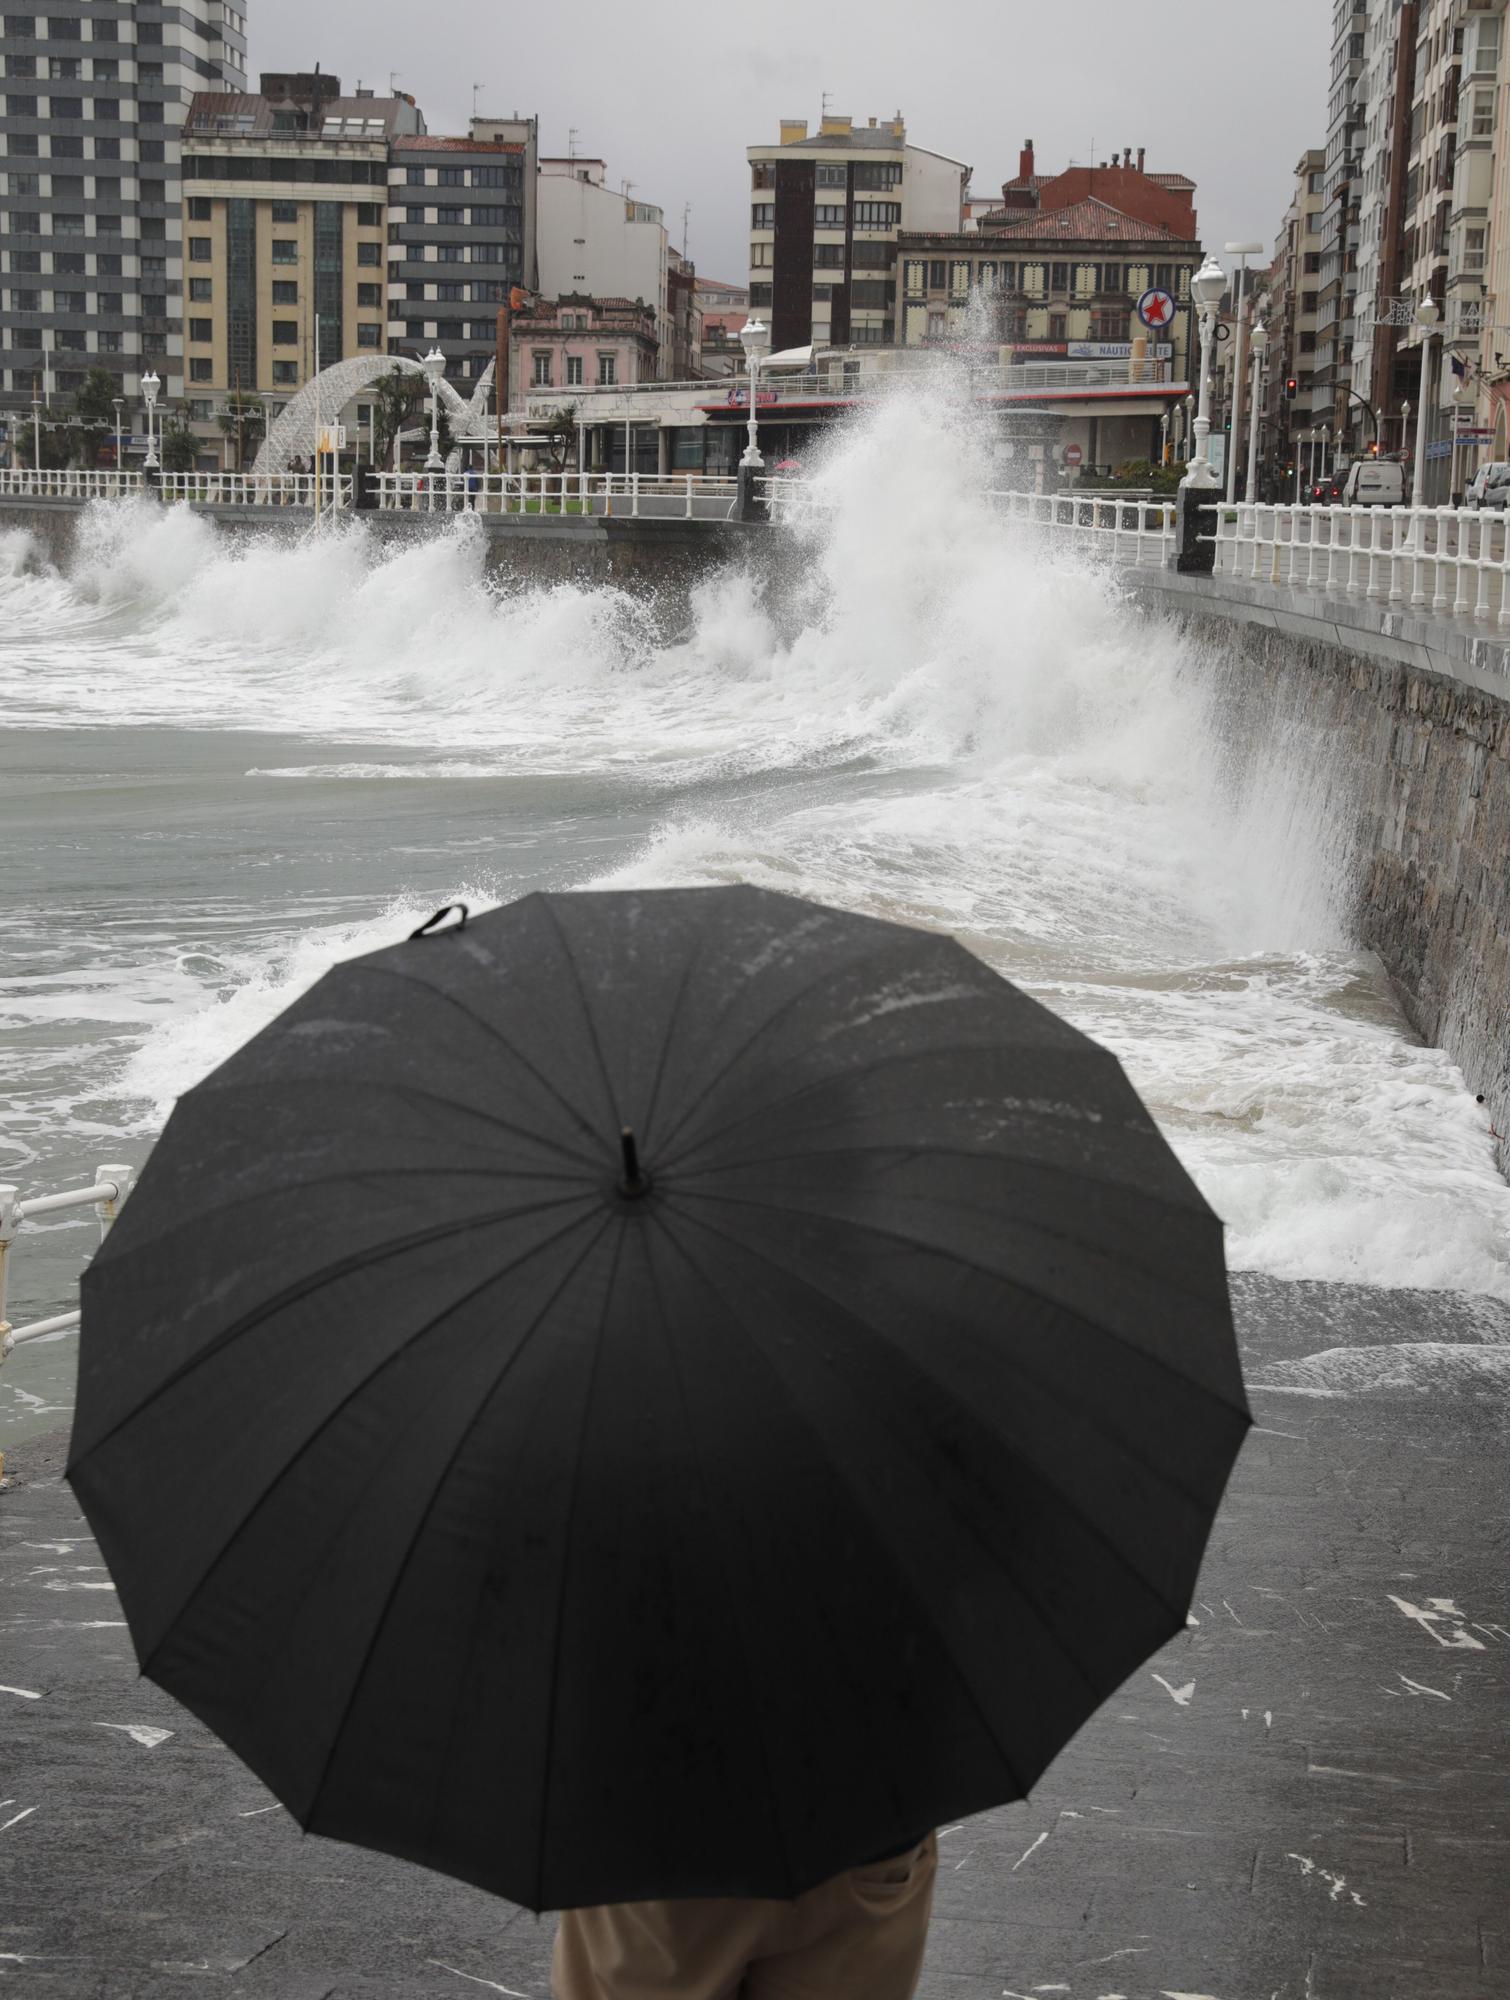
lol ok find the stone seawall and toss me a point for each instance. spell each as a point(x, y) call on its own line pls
point(1407, 724)
point(664, 558)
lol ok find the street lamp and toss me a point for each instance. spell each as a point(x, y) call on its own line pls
point(1428, 312)
point(1206, 289)
point(150, 387)
point(1242, 251)
point(434, 365)
point(36, 430)
point(118, 407)
point(755, 339)
point(1260, 346)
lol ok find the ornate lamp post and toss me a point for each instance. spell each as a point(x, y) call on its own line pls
point(1206, 288)
point(755, 339)
point(118, 466)
point(434, 365)
point(1242, 251)
point(1258, 344)
point(150, 387)
point(1428, 312)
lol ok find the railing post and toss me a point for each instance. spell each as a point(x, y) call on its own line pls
point(10, 1222)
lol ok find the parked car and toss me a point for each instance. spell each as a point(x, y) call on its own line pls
point(1490, 486)
point(1375, 482)
point(1326, 492)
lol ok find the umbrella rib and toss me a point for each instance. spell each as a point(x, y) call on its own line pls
point(356, 1390)
point(314, 1282)
point(892, 1562)
point(1158, 1471)
point(668, 1034)
point(587, 1013)
point(424, 1519)
point(972, 1264)
point(829, 971)
point(491, 1028)
point(558, 1622)
point(711, 1512)
point(392, 1087)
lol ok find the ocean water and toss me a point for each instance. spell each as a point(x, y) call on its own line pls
point(222, 769)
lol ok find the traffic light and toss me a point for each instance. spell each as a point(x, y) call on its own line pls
point(1292, 388)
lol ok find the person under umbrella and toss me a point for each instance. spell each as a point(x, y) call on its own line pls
point(655, 1399)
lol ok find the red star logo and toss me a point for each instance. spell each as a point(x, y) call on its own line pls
point(1157, 309)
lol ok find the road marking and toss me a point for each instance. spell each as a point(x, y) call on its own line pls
point(27, 1694)
point(477, 1979)
point(1027, 1851)
point(139, 1732)
point(18, 1818)
point(1436, 1611)
point(1419, 1687)
point(1179, 1696)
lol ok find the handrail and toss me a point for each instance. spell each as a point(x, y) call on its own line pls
point(110, 1188)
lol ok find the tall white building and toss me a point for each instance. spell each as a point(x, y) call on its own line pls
point(601, 242)
point(826, 210)
point(91, 267)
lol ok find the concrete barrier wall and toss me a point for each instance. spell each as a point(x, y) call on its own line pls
point(1416, 765)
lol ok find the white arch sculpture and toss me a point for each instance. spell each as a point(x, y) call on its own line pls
point(322, 399)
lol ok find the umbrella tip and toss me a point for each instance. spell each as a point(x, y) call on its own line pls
point(633, 1182)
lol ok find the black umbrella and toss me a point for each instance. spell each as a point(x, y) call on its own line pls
point(655, 1394)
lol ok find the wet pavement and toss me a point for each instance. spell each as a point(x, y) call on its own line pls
point(1307, 1797)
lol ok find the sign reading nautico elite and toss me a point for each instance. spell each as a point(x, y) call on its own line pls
point(1156, 307)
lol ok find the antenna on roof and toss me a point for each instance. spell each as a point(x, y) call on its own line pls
point(571, 142)
point(686, 218)
point(826, 96)
point(393, 83)
point(475, 88)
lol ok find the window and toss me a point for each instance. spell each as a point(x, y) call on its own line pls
point(149, 150)
point(827, 256)
point(490, 218)
point(201, 410)
point(608, 370)
point(22, 145)
point(369, 334)
point(106, 70)
point(452, 177)
point(760, 295)
point(285, 249)
point(452, 217)
point(760, 254)
point(1473, 249)
point(67, 149)
point(878, 174)
point(107, 187)
point(199, 205)
point(20, 107)
point(1059, 278)
point(762, 213)
point(829, 215)
point(105, 31)
point(71, 261)
point(108, 267)
point(107, 149)
point(201, 329)
point(369, 254)
point(877, 214)
point(199, 250)
point(68, 225)
point(283, 211)
point(369, 215)
point(450, 289)
point(1057, 326)
point(1482, 126)
point(66, 69)
point(67, 107)
point(20, 65)
point(285, 371)
point(450, 253)
point(201, 369)
point(937, 270)
point(573, 371)
point(285, 291)
point(69, 302)
point(108, 304)
point(494, 177)
point(61, 29)
point(369, 295)
point(199, 291)
point(541, 377)
point(25, 183)
point(831, 177)
point(20, 27)
point(415, 177)
point(26, 302)
point(149, 72)
point(107, 341)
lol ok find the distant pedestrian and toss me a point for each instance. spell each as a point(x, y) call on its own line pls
point(858, 1936)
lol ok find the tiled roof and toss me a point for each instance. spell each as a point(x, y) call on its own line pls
point(1088, 221)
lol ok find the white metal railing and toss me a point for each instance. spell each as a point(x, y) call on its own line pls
point(206, 489)
point(688, 496)
point(1132, 529)
point(1451, 561)
point(111, 1185)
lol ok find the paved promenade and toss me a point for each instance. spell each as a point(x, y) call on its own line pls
point(1306, 1798)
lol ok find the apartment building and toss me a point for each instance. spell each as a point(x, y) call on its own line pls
point(1288, 307)
point(724, 309)
point(285, 224)
point(1386, 91)
point(91, 266)
point(1057, 267)
point(1338, 275)
point(461, 233)
point(577, 340)
point(602, 242)
point(826, 213)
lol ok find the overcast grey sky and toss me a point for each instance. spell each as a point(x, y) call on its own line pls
point(671, 92)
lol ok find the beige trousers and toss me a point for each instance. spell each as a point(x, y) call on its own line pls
point(859, 1936)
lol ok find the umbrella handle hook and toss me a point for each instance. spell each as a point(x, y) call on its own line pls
point(430, 923)
point(634, 1182)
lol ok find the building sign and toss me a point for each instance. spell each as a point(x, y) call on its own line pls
point(1117, 350)
point(1039, 350)
point(1156, 307)
point(739, 399)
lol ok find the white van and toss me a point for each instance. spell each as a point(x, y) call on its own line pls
point(1375, 482)
point(1490, 486)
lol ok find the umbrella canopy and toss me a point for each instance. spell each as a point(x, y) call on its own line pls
point(697, 1512)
